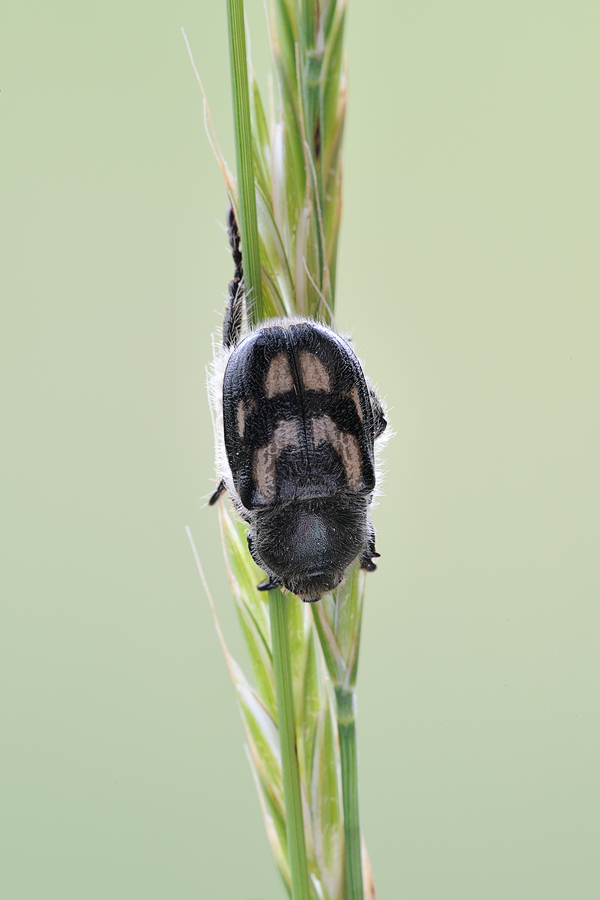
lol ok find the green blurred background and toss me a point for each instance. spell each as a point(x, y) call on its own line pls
point(469, 275)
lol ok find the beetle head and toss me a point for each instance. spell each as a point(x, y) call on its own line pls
point(309, 544)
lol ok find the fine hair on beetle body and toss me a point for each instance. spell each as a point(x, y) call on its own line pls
point(296, 423)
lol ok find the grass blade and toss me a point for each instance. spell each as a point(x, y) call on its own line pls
point(244, 156)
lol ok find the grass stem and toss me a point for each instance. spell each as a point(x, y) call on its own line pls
point(349, 766)
point(244, 158)
point(287, 736)
point(277, 602)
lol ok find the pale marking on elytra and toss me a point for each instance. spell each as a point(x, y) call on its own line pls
point(325, 431)
point(241, 418)
point(243, 411)
point(264, 464)
point(278, 379)
point(315, 376)
point(353, 395)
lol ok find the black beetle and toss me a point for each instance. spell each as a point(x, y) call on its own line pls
point(297, 421)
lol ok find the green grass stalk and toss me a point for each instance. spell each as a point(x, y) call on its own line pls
point(349, 765)
point(282, 668)
point(244, 157)
point(338, 628)
point(277, 602)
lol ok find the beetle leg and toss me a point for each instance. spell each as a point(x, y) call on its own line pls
point(221, 488)
point(367, 563)
point(311, 599)
point(379, 419)
point(234, 314)
point(250, 542)
point(269, 585)
point(368, 555)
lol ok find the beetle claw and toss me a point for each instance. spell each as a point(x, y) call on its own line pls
point(269, 585)
point(221, 488)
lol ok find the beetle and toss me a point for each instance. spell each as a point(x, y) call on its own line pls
point(296, 424)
